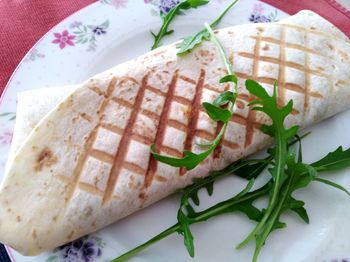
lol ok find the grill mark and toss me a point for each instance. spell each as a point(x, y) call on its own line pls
point(134, 168)
point(204, 134)
point(286, 63)
point(243, 75)
point(142, 139)
point(161, 179)
point(88, 146)
point(212, 88)
point(97, 90)
point(170, 151)
point(122, 102)
point(124, 142)
point(90, 189)
point(314, 94)
point(307, 78)
point(187, 79)
point(230, 144)
point(102, 156)
point(294, 46)
point(63, 179)
point(182, 100)
point(294, 87)
point(177, 125)
point(113, 129)
point(289, 86)
point(244, 121)
point(193, 119)
point(156, 91)
point(244, 97)
point(128, 78)
point(159, 137)
point(249, 133)
point(281, 92)
point(150, 114)
point(239, 119)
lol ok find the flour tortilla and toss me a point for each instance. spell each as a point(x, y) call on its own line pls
point(87, 164)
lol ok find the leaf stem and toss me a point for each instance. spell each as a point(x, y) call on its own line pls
point(150, 242)
point(199, 217)
point(281, 148)
point(164, 29)
point(218, 19)
point(222, 53)
point(272, 219)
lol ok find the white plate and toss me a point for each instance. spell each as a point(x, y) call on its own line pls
point(112, 31)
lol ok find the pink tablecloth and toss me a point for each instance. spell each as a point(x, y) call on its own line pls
point(23, 22)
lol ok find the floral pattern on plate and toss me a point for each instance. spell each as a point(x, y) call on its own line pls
point(116, 3)
point(259, 15)
point(6, 137)
point(85, 249)
point(33, 55)
point(81, 34)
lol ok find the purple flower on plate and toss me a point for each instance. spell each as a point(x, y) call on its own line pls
point(98, 30)
point(6, 138)
point(63, 39)
point(258, 16)
point(81, 250)
point(166, 5)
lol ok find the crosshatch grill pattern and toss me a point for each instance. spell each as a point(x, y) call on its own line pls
point(126, 135)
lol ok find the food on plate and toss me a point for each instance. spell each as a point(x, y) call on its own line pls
point(87, 162)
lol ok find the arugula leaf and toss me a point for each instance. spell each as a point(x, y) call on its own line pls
point(298, 175)
point(190, 42)
point(253, 170)
point(335, 160)
point(185, 230)
point(229, 78)
point(190, 160)
point(333, 184)
point(298, 207)
point(242, 203)
point(268, 104)
point(169, 17)
point(225, 98)
point(191, 192)
point(217, 113)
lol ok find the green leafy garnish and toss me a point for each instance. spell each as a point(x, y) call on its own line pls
point(169, 17)
point(190, 42)
point(288, 171)
point(215, 111)
point(268, 104)
point(335, 160)
point(241, 202)
point(298, 175)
